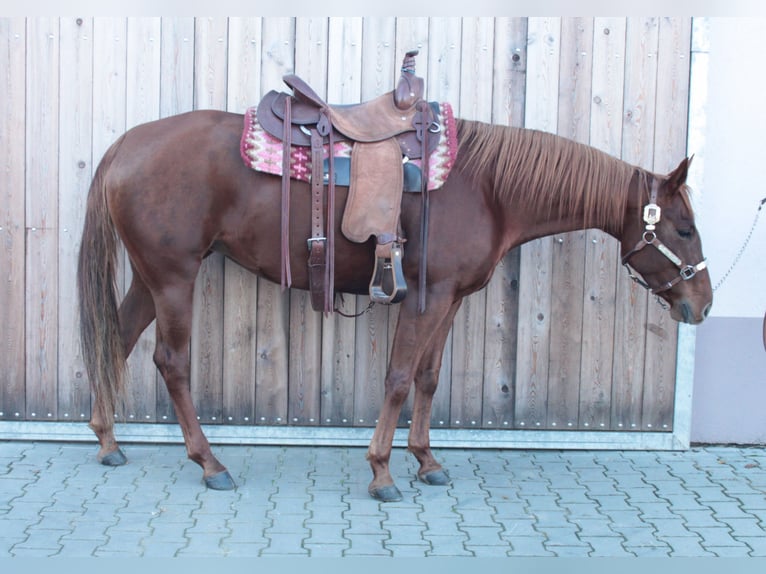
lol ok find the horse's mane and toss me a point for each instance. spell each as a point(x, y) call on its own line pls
point(548, 172)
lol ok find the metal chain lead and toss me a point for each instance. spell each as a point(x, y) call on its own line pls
point(744, 245)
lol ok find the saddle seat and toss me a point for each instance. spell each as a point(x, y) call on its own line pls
point(383, 132)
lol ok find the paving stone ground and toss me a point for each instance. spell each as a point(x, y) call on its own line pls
point(56, 500)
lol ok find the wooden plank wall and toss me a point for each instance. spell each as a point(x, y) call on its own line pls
point(560, 339)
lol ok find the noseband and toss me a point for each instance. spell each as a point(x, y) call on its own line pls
point(652, 213)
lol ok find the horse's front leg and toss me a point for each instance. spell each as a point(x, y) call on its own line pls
point(426, 381)
point(172, 357)
point(412, 337)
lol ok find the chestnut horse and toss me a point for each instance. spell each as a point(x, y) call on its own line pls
point(176, 190)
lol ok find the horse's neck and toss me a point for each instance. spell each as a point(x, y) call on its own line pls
point(523, 223)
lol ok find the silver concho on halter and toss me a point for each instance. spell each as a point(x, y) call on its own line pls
point(652, 213)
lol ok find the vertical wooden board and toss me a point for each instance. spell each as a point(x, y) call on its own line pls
point(638, 149)
point(176, 96)
point(13, 36)
point(240, 286)
point(443, 85)
point(670, 148)
point(510, 73)
point(211, 41)
point(531, 394)
point(568, 253)
point(278, 59)
point(244, 64)
point(305, 368)
point(502, 314)
point(143, 70)
point(602, 251)
point(469, 323)
point(109, 83)
point(75, 165)
point(177, 64)
point(42, 217)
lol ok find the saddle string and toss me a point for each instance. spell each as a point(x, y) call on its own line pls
point(286, 279)
point(423, 131)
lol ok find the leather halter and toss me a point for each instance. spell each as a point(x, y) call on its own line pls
point(652, 213)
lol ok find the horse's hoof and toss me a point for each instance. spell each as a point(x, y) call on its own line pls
point(435, 478)
point(221, 481)
point(114, 458)
point(386, 493)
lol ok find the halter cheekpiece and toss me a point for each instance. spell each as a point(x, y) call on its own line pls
point(652, 215)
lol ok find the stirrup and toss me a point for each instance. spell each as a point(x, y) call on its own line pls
point(388, 285)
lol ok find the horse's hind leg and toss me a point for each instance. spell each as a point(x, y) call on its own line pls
point(172, 357)
point(135, 313)
point(426, 380)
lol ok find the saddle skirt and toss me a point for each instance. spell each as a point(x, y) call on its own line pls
point(263, 152)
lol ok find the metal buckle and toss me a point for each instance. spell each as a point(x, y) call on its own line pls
point(688, 272)
point(311, 240)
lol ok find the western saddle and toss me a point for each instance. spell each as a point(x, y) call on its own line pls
point(383, 133)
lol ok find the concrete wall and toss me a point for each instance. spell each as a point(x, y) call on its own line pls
point(728, 123)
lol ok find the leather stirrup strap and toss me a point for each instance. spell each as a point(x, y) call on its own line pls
point(317, 242)
point(329, 297)
point(422, 130)
point(287, 279)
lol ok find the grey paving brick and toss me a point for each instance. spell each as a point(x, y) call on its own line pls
point(697, 518)
point(285, 543)
point(579, 511)
point(638, 536)
point(686, 546)
point(518, 527)
point(594, 527)
point(153, 548)
point(719, 536)
point(326, 535)
point(442, 526)
point(607, 547)
point(757, 545)
point(470, 517)
point(746, 527)
point(367, 545)
point(483, 535)
point(48, 539)
point(609, 503)
point(243, 549)
point(79, 549)
point(729, 509)
point(326, 550)
point(527, 546)
point(13, 530)
point(447, 546)
point(658, 551)
point(562, 536)
point(671, 527)
point(730, 551)
point(480, 551)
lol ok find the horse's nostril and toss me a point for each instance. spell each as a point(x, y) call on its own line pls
point(706, 310)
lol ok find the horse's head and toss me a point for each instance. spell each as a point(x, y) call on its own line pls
point(664, 247)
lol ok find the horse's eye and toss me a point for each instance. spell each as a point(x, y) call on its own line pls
point(687, 233)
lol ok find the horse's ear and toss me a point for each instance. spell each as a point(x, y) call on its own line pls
point(678, 176)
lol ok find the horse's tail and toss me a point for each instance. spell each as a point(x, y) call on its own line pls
point(102, 346)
